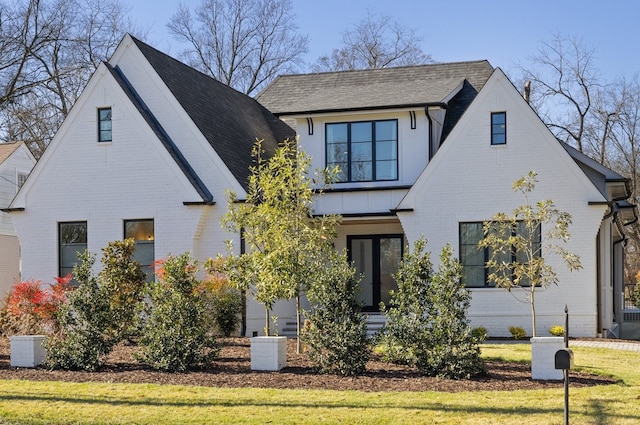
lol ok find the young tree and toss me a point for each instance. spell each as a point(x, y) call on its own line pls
point(521, 245)
point(285, 242)
point(242, 43)
point(426, 321)
point(377, 41)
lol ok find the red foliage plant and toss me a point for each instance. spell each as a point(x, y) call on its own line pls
point(31, 308)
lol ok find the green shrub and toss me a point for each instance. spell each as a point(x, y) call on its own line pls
point(84, 338)
point(124, 282)
point(557, 330)
point(426, 323)
point(636, 295)
point(335, 332)
point(174, 336)
point(517, 332)
point(223, 302)
point(479, 334)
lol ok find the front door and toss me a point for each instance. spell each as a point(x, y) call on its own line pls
point(376, 259)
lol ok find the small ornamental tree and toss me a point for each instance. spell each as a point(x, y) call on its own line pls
point(335, 331)
point(124, 281)
point(222, 300)
point(175, 336)
point(426, 322)
point(522, 244)
point(283, 238)
point(85, 336)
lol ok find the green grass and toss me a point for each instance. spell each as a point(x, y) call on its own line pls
point(28, 402)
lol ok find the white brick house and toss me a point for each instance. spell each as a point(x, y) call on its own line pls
point(152, 145)
point(16, 161)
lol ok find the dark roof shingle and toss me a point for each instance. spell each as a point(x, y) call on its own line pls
point(372, 88)
point(231, 121)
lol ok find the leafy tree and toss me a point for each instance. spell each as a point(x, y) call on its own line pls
point(285, 242)
point(377, 41)
point(124, 282)
point(223, 301)
point(521, 242)
point(175, 335)
point(335, 330)
point(426, 321)
point(85, 336)
point(242, 43)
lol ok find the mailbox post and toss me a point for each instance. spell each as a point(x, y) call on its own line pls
point(564, 361)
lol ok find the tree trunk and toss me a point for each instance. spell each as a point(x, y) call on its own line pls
point(298, 324)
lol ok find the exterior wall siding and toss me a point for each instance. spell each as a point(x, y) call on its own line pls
point(132, 177)
point(9, 263)
point(470, 180)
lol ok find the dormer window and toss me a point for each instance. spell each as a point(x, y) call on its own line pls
point(363, 151)
point(104, 124)
point(498, 128)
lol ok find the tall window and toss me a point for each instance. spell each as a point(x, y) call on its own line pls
point(473, 258)
point(72, 240)
point(104, 124)
point(498, 128)
point(142, 233)
point(20, 179)
point(363, 151)
point(376, 259)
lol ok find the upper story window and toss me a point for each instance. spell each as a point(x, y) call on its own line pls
point(20, 179)
point(363, 151)
point(498, 128)
point(104, 124)
point(473, 258)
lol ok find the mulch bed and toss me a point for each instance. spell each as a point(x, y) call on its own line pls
point(233, 369)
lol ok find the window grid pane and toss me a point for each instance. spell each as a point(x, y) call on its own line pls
point(363, 151)
point(104, 125)
point(498, 128)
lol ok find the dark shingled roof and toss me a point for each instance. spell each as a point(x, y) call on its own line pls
point(372, 88)
point(231, 121)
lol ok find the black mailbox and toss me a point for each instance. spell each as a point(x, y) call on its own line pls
point(564, 359)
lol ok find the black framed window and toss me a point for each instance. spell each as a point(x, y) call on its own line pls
point(72, 240)
point(376, 258)
point(474, 258)
point(142, 232)
point(498, 128)
point(363, 151)
point(104, 125)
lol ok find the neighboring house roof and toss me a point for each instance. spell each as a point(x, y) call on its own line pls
point(230, 121)
point(381, 88)
point(6, 149)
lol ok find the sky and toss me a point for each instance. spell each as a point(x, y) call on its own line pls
point(505, 32)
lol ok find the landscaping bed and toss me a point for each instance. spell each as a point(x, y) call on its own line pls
point(232, 369)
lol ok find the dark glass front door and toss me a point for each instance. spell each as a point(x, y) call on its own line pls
point(376, 259)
